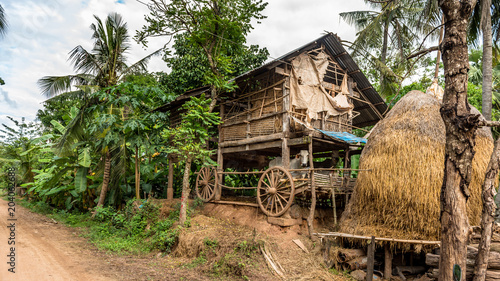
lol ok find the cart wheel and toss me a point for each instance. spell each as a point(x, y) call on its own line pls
point(206, 183)
point(275, 191)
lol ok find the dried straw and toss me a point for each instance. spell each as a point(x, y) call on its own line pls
point(399, 197)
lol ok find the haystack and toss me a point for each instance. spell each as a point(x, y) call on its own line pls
point(399, 197)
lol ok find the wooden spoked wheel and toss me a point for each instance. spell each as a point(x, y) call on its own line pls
point(275, 191)
point(206, 183)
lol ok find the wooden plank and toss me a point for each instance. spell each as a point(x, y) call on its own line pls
point(347, 235)
point(371, 260)
point(251, 147)
point(242, 173)
point(237, 203)
point(299, 141)
point(252, 140)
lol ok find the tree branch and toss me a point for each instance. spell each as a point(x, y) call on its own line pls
point(485, 123)
point(423, 52)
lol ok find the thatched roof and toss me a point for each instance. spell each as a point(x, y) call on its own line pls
point(399, 197)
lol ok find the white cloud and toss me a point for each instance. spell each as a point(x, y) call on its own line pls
point(41, 34)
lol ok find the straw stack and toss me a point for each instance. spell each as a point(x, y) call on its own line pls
point(399, 197)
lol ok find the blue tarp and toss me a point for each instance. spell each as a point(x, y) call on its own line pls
point(343, 136)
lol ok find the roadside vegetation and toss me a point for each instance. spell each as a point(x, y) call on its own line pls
point(97, 155)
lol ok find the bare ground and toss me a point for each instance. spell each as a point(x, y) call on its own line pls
point(47, 250)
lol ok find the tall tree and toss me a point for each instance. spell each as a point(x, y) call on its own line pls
point(218, 27)
point(103, 66)
point(3, 29)
point(388, 31)
point(461, 126)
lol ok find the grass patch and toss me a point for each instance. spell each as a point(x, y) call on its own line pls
point(137, 229)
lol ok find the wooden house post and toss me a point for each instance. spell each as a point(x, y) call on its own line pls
point(285, 149)
point(220, 155)
point(170, 187)
point(310, 219)
point(347, 172)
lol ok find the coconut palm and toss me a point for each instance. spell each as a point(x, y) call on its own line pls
point(485, 19)
point(3, 22)
point(3, 29)
point(387, 30)
point(103, 66)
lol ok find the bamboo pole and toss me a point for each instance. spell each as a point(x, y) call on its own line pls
point(347, 235)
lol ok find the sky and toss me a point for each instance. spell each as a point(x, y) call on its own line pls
point(42, 33)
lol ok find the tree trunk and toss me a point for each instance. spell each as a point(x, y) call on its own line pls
point(438, 57)
point(487, 58)
point(487, 219)
point(461, 127)
point(383, 54)
point(105, 179)
point(137, 175)
point(185, 192)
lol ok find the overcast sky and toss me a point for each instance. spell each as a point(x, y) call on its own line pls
point(41, 33)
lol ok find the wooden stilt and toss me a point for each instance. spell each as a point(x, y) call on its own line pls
point(310, 219)
point(371, 260)
point(387, 262)
point(170, 188)
point(334, 206)
point(220, 157)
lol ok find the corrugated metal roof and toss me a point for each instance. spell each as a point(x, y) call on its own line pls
point(344, 136)
point(369, 115)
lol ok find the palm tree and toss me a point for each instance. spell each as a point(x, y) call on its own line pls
point(3, 30)
point(488, 23)
point(3, 22)
point(103, 66)
point(387, 30)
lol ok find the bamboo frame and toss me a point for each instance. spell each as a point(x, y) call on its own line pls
point(347, 235)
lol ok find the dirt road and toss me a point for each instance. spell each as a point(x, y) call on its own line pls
point(46, 250)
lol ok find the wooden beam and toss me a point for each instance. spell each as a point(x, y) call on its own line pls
point(339, 55)
point(347, 235)
point(237, 203)
point(251, 140)
point(354, 72)
point(251, 147)
point(299, 141)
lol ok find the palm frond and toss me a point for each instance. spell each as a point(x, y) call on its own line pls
point(83, 61)
point(141, 65)
point(3, 22)
point(51, 86)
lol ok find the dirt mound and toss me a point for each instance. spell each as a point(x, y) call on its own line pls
point(226, 240)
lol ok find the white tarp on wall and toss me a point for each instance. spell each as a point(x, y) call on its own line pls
point(307, 92)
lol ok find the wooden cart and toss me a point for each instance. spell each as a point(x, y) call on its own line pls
point(277, 187)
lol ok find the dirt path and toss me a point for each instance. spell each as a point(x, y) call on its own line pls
point(46, 250)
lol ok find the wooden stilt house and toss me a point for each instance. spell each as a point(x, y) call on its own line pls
point(307, 100)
